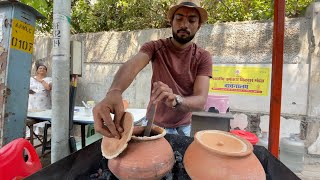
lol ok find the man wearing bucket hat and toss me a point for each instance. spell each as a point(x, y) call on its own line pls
point(180, 79)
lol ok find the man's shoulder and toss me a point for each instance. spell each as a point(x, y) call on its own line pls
point(159, 42)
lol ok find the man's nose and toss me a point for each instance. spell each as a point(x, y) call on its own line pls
point(184, 23)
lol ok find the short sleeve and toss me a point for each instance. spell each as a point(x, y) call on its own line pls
point(205, 66)
point(48, 80)
point(148, 48)
point(33, 84)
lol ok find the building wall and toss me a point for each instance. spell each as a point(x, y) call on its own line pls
point(229, 43)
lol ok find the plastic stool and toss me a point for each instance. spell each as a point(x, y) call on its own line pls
point(30, 123)
point(219, 103)
point(12, 162)
point(90, 130)
point(45, 145)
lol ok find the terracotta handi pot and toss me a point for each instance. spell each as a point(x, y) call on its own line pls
point(145, 158)
point(221, 155)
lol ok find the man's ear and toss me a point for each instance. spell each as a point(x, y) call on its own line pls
point(200, 24)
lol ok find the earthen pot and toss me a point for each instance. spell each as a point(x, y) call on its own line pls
point(221, 155)
point(145, 158)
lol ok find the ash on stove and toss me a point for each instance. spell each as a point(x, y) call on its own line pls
point(103, 172)
point(177, 173)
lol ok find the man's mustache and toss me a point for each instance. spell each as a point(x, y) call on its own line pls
point(183, 30)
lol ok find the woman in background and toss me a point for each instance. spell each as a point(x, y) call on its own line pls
point(40, 88)
point(39, 93)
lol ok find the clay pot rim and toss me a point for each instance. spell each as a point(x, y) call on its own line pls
point(161, 133)
point(249, 146)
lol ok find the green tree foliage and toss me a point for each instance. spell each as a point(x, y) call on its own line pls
point(45, 7)
point(126, 15)
point(238, 10)
point(81, 15)
point(243, 10)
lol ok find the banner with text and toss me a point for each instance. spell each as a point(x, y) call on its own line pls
point(239, 79)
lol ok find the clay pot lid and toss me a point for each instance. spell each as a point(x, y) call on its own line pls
point(112, 147)
point(223, 143)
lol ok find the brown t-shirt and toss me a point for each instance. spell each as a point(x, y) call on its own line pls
point(178, 68)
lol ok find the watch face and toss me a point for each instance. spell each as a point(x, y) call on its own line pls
point(179, 99)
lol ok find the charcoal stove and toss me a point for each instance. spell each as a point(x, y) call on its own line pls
point(88, 163)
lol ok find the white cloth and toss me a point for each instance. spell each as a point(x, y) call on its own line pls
point(41, 99)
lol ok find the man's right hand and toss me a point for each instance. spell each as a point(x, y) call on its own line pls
point(103, 123)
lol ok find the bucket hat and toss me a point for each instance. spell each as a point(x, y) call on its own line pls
point(188, 3)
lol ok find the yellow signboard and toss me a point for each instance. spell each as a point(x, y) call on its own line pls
point(245, 80)
point(22, 36)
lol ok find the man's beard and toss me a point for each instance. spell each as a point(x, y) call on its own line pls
point(182, 40)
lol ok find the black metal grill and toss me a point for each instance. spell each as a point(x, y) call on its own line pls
point(88, 163)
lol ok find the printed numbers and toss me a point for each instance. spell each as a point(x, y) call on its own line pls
point(56, 42)
point(22, 36)
point(21, 44)
point(56, 35)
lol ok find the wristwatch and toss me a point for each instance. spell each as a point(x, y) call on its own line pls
point(179, 100)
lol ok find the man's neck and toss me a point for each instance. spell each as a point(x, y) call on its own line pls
point(181, 46)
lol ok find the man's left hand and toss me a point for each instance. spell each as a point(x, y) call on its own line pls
point(162, 92)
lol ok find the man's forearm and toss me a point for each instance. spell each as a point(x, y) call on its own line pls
point(197, 101)
point(192, 103)
point(123, 78)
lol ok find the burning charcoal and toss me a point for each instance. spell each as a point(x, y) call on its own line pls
point(178, 170)
point(94, 176)
point(104, 163)
point(99, 171)
point(181, 175)
point(103, 174)
point(168, 176)
point(107, 175)
point(178, 156)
